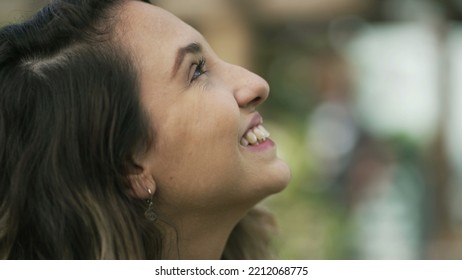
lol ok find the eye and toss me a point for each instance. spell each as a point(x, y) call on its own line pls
point(198, 69)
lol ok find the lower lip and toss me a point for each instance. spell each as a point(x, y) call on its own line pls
point(265, 145)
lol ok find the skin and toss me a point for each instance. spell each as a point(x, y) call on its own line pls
point(203, 178)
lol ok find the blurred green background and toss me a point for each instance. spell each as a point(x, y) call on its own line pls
point(364, 107)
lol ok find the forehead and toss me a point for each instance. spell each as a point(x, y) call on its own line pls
point(144, 16)
point(153, 33)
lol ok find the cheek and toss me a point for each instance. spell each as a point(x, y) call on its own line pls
point(199, 168)
point(197, 145)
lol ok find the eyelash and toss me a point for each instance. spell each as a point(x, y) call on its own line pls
point(199, 69)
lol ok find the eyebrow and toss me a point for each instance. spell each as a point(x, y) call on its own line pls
point(192, 48)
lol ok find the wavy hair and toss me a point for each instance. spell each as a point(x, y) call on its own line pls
point(71, 123)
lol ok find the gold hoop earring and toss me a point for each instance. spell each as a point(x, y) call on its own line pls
point(150, 214)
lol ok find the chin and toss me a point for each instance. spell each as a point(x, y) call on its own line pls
point(282, 177)
point(276, 180)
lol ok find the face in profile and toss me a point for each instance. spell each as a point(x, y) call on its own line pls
point(211, 152)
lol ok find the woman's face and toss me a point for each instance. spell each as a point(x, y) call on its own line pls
point(204, 114)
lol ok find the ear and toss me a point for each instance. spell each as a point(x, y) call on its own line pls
point(142, 185)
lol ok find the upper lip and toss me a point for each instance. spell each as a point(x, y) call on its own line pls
point(254, 122)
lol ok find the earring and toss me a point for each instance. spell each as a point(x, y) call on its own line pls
point(150, 214)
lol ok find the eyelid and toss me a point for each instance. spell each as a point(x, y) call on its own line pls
point(198, 65)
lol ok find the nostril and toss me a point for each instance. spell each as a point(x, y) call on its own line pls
point(250, 99)
point(257, 100)
point(253, 103)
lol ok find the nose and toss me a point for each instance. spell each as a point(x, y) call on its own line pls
point(250, 90)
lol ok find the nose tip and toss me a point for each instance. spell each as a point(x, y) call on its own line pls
point(253, 91)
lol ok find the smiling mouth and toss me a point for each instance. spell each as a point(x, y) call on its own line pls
point(255, 136)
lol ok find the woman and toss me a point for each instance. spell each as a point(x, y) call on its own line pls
point(107, 104)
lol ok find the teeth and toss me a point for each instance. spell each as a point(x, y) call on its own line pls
point(254, 136)
point(261, 135)
point(251, 137)
point(260, 127)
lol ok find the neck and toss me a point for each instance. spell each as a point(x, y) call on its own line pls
point(197, 237)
